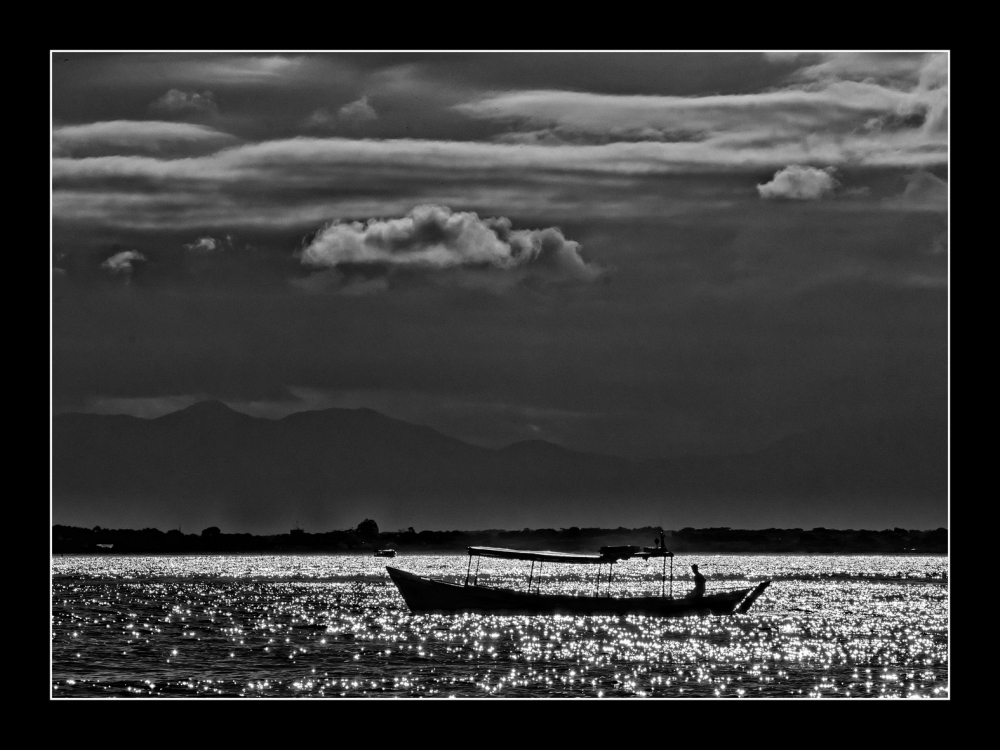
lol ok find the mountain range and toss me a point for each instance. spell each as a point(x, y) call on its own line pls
point(208, 464)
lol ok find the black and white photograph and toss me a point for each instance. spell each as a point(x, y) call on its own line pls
point(499, 374)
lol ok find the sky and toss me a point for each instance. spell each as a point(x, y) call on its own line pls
point(638, 254)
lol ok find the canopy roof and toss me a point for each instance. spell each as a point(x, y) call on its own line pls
point(614, 554)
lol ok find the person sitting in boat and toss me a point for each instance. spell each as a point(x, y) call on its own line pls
point(699, 584)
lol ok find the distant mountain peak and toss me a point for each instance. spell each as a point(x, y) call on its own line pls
point(535, 444)
point(201, 409)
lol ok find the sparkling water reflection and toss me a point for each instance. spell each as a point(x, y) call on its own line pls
point(284, 626)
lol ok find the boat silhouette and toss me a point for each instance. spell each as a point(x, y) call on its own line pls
point(423, 594)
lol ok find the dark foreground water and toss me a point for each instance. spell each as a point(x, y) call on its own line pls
point(331, 626)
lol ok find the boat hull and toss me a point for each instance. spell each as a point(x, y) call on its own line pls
point(430, 595)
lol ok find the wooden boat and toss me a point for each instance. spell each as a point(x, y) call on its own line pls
point(385, 553)
point(435, 595)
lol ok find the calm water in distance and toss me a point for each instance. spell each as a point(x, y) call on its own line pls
point(335, 626)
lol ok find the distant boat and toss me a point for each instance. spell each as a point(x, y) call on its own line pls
point(385, 553)
point(435, 595)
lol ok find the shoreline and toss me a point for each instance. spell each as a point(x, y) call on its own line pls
point(367, 538)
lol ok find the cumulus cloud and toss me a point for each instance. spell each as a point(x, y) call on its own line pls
point(798, 182)
point(203, 245)
point(137, 136)
point(352, 114)
point(434, 239)
point(123, 262)
point(176, 100)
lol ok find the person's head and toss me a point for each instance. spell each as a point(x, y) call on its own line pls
point(694, 568)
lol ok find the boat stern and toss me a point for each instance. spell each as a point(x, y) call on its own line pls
point(752, 597)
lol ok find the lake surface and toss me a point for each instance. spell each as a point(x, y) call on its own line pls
point(334, 625)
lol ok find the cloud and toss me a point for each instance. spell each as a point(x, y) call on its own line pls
point(921, 79)
point(299, 159)
point(799, 183)
point(783, 56)
point(123, 262)
point(858, 109)
point(924, 192)
point(217, 68)
point(353, 114)
point(432, 239)
point(321, 118)
point(792, 112)
point(238, 69)
point(932, 93)
point(176, 100)
point(137, 136)
point(203, 245)
point(302, 182)
point(357, 112)
point(863, 66)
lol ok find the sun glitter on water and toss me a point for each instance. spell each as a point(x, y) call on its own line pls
point(283, 626)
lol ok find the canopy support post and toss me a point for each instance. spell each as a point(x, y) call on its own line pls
point(539, 586)
point(476, 579)
point(671, 577)
point(611, 572)
point(663, 576)
point(530, 575)
point(467, 572)
point(597, 585)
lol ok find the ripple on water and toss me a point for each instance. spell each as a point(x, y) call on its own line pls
point(283, 626)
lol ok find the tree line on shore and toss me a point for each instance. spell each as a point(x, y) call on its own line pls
point(367, 537)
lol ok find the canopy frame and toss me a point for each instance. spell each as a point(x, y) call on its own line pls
point(608, 555)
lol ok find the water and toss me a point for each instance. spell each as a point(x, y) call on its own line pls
point(326, 626)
